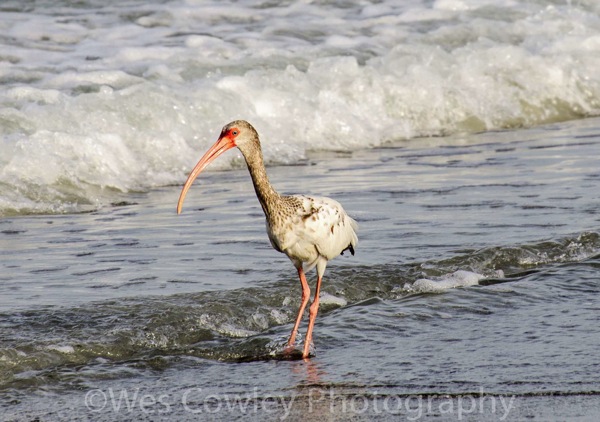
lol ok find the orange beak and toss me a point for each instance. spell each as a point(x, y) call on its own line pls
point(223, 144)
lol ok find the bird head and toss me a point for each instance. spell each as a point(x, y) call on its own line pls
point(238, 133)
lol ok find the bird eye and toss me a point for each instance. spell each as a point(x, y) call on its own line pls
point(234, 132)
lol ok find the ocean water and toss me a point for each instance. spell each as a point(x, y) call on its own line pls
point(462, 135)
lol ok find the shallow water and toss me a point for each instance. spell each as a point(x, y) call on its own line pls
point(475, 281)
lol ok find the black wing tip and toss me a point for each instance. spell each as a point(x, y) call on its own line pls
point(348, 248)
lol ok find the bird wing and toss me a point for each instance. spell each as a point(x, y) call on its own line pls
point(324, 224)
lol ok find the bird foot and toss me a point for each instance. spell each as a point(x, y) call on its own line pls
point(309, 351)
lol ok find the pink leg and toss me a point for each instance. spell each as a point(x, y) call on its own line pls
point(305, 296)
point(314, 308)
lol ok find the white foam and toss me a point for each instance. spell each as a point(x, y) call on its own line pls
point(113, 78)
point(329, 299)
point(62, 349)
point(456, 279)
point(120, 104)
point(279, 317)
point(36, 95)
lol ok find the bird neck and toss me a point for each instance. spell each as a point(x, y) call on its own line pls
point(267, 196)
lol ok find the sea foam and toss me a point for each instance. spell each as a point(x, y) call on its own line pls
point(121, 98)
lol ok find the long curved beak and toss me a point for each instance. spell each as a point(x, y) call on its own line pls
point(222, 145)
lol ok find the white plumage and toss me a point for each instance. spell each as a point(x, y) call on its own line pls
point(309, 230)
point(317, 231)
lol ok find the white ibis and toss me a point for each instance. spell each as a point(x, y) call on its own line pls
point(309, 230)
